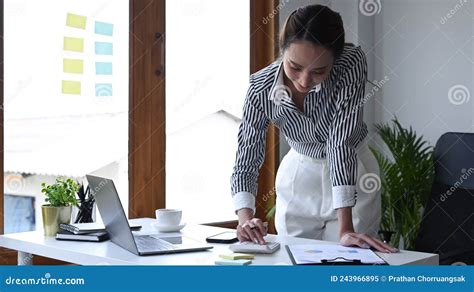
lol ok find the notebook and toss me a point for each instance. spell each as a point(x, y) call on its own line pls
point(84, 228)
point(94, 236)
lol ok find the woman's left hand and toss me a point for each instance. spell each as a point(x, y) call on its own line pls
point(365, 241)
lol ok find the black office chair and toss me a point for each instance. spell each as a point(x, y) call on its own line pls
point(447, 227)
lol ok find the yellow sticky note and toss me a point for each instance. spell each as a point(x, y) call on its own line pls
point(77, 21)
point(73, 44)
point(73, 66)
point(237, 256)
point(71, 87)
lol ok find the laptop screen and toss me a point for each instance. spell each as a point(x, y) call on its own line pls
point(112, 213)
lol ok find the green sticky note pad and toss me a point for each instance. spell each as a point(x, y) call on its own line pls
point(224, 262)
point(77, 21)
point(73, 66)
point(74, 44)
point(71, 87)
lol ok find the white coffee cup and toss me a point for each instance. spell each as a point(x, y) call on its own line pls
point(168, 217)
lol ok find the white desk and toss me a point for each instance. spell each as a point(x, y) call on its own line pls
point(107, 253)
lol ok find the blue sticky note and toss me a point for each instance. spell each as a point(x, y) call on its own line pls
point(103, 48)
point(103, 89)
point(104, 28)
point(103, 68)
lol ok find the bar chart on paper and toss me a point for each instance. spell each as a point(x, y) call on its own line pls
point(316, 254)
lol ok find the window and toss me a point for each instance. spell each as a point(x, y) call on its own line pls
point(208, 61)
point(66, 95)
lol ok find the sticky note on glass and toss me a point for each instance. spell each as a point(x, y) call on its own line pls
point(77, 21)
point(103, 68)
point(73, 44)
point(73, 66)
point(104, 28)
point(71, 87)
point(103, 48)
point(103, 89)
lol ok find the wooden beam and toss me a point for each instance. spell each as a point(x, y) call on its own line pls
point(147, 141)
point(264, 28)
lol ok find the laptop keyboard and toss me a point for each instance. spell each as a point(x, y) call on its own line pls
point(148, 243)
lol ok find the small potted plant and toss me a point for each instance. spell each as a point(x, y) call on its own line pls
point(60, 196)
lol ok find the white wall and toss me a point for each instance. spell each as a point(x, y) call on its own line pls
point(424, 59)
point(419, 56)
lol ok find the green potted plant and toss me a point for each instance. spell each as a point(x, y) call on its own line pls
point(60, 196)
point(407, 173)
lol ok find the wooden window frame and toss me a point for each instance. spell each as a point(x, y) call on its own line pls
point(264, 50)
point(147, 114)
point(147, 156)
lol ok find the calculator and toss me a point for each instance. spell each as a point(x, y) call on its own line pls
point(251, 247)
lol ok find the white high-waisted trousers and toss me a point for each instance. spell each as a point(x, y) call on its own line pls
point(304, 197)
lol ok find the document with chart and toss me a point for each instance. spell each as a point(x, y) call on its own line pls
point(307, 254)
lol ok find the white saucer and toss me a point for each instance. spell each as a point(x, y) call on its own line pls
point(167, 228)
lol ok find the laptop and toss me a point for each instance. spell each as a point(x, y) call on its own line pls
point(116, 224)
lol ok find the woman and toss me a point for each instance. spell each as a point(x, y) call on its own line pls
point(314, 93)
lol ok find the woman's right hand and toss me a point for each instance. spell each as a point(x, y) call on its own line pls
point(250, 229)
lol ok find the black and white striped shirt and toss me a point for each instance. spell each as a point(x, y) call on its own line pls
point(331, 126)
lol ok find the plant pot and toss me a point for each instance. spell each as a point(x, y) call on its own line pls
point(53, 216)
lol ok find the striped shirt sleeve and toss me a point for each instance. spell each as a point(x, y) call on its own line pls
point(250, 151)
point(341, 149)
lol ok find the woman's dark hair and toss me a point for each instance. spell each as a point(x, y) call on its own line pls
point(317, 24)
